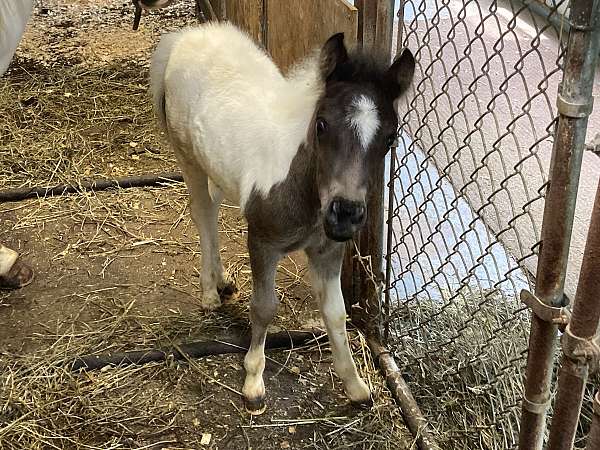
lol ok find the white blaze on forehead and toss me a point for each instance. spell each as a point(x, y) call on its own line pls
point(363, 117)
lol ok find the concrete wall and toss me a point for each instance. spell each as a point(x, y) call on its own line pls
point(484, 100)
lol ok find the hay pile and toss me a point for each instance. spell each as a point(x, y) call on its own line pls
point(465, 360)
point(68, 124)
point(465, 357)
point(176, 405)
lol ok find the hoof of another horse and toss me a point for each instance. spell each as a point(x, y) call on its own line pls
point(19, 275)
point(211, 301)
point(255, 407)
point(227, 290)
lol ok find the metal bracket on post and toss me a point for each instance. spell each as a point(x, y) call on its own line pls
point(583, 350)
point(535, 408)
point(574, 110)
point(559, 316)
point(556, 315)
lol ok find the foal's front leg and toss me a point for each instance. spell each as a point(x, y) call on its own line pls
point(325, 267)
point(263, 308)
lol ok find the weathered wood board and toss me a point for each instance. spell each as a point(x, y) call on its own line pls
point(290, 29)
point(295, 27)
point(248, 15)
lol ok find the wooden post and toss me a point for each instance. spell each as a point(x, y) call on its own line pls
point(219, 7)
point(375, 35)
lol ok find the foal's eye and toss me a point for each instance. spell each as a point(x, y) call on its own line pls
point(391, 140)
point(321, 126)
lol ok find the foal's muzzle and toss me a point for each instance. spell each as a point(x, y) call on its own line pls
point(343, 218)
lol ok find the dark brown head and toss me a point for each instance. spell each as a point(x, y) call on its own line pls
point(355, 124)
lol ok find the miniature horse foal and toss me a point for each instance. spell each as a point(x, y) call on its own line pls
point(295, 152)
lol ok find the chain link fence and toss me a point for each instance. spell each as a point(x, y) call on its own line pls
point(465, 203)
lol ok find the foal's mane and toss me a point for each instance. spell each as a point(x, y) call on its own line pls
point(360, 67)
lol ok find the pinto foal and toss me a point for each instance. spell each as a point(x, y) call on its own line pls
point(294, 152)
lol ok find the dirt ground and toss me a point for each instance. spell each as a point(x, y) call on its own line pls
point(118, 270)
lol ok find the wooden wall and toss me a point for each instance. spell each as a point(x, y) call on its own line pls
point(295, 27)
point(248, 15)
point(292, 28)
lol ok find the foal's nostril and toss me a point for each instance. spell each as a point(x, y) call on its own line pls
point(335, 207)
point(343, 218)
point(358, 215)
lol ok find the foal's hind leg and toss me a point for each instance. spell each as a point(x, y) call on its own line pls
point(325, 267)
point(205, 210)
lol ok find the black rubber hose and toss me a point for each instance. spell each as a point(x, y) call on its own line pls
point(199, 349)
point(15, 195)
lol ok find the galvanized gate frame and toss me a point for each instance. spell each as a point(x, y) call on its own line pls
point(574, 106)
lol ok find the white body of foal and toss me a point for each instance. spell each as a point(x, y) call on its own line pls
point(217, 79)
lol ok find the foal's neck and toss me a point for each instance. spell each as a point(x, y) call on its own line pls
point(303, 179)
point(305, 89)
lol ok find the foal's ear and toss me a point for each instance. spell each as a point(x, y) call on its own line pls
point(333, 53)
point(400, 73)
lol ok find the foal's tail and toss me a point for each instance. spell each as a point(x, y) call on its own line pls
point(158, 67)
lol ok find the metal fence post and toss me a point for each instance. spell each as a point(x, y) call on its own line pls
point(574, 105)
point(593, 440)
point(579, 342)
point(391, 189)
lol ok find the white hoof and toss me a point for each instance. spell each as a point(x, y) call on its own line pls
point(358, 391)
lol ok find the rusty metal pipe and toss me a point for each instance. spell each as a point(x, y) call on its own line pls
point(207, 9)
point(593, 439)
point(582, 328)
point(137, 15)
point(586, 309)
point(411, 412)
point(573, 106)
point(389, 246)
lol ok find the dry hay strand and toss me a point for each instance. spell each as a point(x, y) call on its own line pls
point(66, 125)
